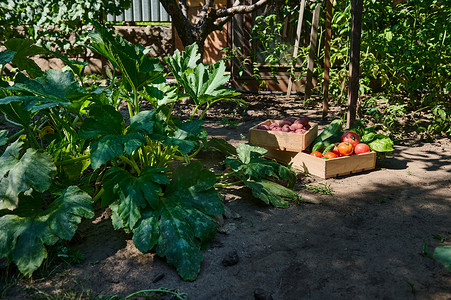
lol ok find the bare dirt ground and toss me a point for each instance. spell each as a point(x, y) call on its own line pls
point(367, 241)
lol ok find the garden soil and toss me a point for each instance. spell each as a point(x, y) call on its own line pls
point(372, 239)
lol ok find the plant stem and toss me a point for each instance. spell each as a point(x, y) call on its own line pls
point(219, 177)
point(196, 152)
point(221, 185)
point(130, 109)
point(30, 135)
point(205, 111)
point(98, 195)
point(132, 163)
point(170, 112)
point(15, 135)
point(72, 160)
point(194, 112)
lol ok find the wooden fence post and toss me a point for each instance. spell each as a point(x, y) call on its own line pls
point(354, 66)
point(327, 39)
point(296, 45)
point(312, 50)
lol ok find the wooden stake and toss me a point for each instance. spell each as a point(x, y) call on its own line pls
point(312, 50)
point(354, 66)
point(296, 45)
point(327, 39)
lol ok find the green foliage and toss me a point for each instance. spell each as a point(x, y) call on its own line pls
point(72, 135)
point(256, 172)
point(54, 23)
point(21, 172)
point(26, 230)
point(204, 84)
point(443, 256)
point(405, 55)
point(136, 67)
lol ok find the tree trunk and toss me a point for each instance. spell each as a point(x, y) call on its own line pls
point(209, 19)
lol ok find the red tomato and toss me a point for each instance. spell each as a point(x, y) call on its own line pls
point(351, 137)
point(345, 149)
point(361, 148)
point(317, 154)
point(330, 155)
point(335, 150)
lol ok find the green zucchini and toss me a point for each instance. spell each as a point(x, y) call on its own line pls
point(318, 146)
point(336, 138)
point(334, 127)
point(328, 148)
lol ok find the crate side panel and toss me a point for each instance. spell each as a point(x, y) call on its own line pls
point(282, 140)
point(349, 165)
point(313, 165)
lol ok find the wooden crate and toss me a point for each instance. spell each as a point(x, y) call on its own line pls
point(325, 168)
point(287, 141)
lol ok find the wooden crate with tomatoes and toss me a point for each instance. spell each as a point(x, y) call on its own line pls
point(290, 134)
point(325, 168)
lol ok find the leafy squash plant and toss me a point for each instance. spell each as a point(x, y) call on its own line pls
point(78, 136)
point(36, 207)
point(262, 176)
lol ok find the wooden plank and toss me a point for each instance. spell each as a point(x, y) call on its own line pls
point(312, 50)
point(354, 66)
point(296, 45)
point(327, 39)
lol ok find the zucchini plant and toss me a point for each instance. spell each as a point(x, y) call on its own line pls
point(75, 136)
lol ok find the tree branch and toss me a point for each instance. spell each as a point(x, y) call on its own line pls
point(224, 15)
point(183, 8)
point(204, 11)
point(240, 9)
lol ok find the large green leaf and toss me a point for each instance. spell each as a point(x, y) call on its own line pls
point(6, 56)
point(204, 84)
point(102, 120)
point(255, 171)
point(3, 137)
point(52, 89)
point(107, 126)
point(246, 153)
point(105, 149)
point(272, 193)
point(147, 231)
point(15, 113)
point(23, 238)
point(187, 135)
point(178, 242)
point(207, 84)
point(161, 94)
point(143, 122)
point(136, 67)
point(23, 50)
point(193, 186)
point(20, 173)
point(443, 256)
point(133, 193)
point(222, 145)
point(179, 63)
point(183, 221)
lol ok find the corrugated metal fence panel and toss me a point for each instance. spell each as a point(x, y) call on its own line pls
point(143, 11)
